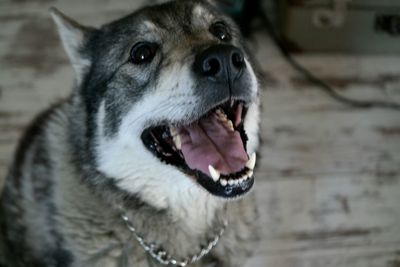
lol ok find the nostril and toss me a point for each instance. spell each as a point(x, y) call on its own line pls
point(237, 60)
point(211, 67)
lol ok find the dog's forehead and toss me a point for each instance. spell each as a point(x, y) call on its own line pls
point(201, 14)
point(165, 21)
point(177, 15)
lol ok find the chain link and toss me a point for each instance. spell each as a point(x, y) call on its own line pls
point(162, 256)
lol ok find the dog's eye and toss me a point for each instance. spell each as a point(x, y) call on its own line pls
point(220, 30)
point(143, 52)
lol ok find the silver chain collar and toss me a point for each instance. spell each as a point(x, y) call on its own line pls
point(162, 256)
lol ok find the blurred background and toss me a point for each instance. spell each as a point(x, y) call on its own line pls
point(328, 179)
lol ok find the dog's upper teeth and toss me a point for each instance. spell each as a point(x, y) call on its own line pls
point(251, 162)
point(173, 131)
point(229, 124)
point(221, 116)
point(214, 173)
point(176, 137)
point(177, 141)
point(219, 112)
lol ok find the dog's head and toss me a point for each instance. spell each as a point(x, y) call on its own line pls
point(173, 100)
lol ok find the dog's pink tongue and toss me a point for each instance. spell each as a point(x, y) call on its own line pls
point(210, 143)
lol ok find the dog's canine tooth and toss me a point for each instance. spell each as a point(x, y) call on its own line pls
point(177, 141)
point(173, 131)
point(214, 173)
point(223, 182)
point(251, 162)
point(249, 174)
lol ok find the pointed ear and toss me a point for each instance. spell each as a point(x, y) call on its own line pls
point(73, 36)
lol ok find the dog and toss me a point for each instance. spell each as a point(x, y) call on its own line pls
point(150, 160)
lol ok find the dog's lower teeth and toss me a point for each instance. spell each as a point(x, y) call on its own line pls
point(223, 182)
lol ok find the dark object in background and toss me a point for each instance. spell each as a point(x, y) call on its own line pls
point(264, 10)
point(388, 23)
point(244, 12)
point(232, 7)
point(356, 26)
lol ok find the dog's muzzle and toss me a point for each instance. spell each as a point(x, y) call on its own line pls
point(212, 148)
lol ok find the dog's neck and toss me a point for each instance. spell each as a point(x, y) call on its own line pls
point(197, 212)
point(194, 211)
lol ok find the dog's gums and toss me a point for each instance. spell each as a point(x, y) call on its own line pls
point(212, 149)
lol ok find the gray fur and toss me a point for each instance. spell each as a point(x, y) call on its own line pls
point(59, 207)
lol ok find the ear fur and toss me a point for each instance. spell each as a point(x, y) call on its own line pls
point(73, 36)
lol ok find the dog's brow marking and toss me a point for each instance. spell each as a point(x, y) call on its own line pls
point(198, 11)
point(201, 13)
point(150, 25)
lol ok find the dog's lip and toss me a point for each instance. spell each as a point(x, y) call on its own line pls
point(228, 191)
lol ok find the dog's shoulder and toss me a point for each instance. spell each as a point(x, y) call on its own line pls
point(27, 186)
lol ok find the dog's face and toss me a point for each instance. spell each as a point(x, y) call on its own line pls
point(174, 100)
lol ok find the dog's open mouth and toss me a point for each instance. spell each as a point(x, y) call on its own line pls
point(211, 149)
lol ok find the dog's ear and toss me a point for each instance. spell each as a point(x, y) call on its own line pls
point(73, 36)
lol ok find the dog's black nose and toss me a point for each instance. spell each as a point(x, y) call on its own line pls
point(221, 63)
